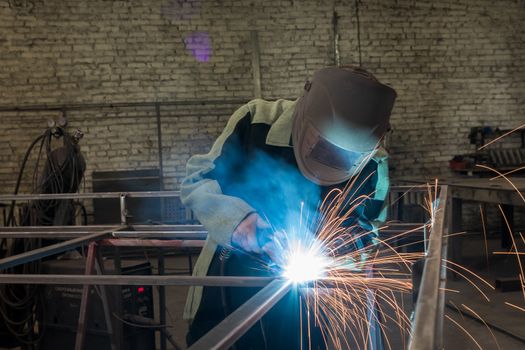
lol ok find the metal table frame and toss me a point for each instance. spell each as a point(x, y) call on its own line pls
point(427, 326)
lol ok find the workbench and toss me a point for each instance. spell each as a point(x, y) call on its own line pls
point(484, 190)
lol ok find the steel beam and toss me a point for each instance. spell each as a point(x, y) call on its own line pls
point(149, 280)
point(428, 317)
point(145, 194)
point(53, 249)
point(140, 194)
point(157, 243)
point(226, 333)
point(50, 233)
point(87, 106)
point(195, 232)
point(60, 235)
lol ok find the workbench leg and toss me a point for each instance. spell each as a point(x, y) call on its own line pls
point(506, 230)
point(118, 328)
point(456, 241)
point(81, 327)
point(162, 300)
point(113, 337)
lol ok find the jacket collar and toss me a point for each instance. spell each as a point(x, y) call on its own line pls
point(281, 130)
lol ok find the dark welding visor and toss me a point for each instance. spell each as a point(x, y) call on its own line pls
point(324, 161)
point(334, 156)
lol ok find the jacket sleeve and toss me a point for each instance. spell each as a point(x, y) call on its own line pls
point(219, 213)
point(373, 184)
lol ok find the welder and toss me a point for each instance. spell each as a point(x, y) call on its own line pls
point(275, 161)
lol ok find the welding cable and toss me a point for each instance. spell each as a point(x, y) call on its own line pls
point(22, 307)
point(82, 211)
point(10, 217)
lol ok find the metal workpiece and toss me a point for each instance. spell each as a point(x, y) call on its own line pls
point(94, 195)
point(427, 326)
point(53, 249)
point(132, 231)
point(157, 243)
point(241, 320)
point(149, 280)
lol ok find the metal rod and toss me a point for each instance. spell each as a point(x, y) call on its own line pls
point(122, 242)
point(100, 270)
point(43, 252)
point(138, 194)
point(132, 228)
point(123, 209)
point(256, 64)
point(162, 299)
point(143, 194)
point(241, 320)
point(192, 232)
point(82, 315)
point(118, 280)
point(191, 235)
point(159, 144)
point(58, 229)
point(428, 309)
point(57, 107)
point(161, 158)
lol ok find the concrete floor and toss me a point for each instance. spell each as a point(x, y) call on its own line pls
point(511, 322)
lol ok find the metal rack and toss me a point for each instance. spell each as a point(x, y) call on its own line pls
point(427, 326)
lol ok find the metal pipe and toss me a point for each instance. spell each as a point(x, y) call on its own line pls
point(83, 312)
point(58, 229)
point(139, 194)
point(162, 298)
point(256, 64)
point(43, 252)
point(192, 232)
point(134, 228)
point(429, 309)
point(144, 194)
point(188, 235)
point(241, 320)
point(159, 145)
point(123, 210)
point(178, 243)
point(57, 107)
point(192, 235)
point(152, 280)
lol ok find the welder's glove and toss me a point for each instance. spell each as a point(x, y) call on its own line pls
point(245, 234)
point(273, 243)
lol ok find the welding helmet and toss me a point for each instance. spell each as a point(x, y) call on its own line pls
point(339, 122)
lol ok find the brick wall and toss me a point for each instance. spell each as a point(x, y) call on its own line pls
point(455, 64)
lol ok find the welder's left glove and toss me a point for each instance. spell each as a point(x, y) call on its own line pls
point(245, 235)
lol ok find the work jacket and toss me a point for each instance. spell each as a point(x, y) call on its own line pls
point(251, 168)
